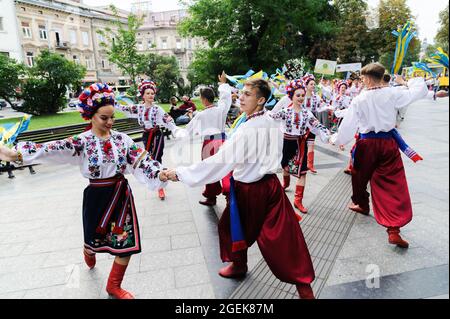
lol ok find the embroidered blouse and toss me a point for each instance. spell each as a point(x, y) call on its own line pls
point(149, 118)
point(298, 123)
point(97, 158)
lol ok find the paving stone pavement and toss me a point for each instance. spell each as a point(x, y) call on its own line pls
point(40, 215)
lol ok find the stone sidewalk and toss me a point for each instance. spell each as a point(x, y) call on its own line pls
point(41, 250)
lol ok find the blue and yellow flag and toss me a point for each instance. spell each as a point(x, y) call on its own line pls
point(439, 57)
point(424, 67)
point(404, 37)
point(9, 132)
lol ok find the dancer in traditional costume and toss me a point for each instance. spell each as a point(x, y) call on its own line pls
point(315, 105)
point(340, 102)
point(152, 118)
point(210, 125)
point(258, 209)
point(376, 156)
point(297, 124)
point(104, 156)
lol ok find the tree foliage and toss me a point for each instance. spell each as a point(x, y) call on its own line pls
point(256, 34)
point(45, 88)
point(121, 46)
point(442, 35)
point(165, 72)
point(10, 73)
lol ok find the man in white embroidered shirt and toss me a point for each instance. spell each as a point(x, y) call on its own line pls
point(376, 157)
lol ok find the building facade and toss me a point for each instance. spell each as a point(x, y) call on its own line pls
point(9, 31)
point(68, 28)
point(159, 35)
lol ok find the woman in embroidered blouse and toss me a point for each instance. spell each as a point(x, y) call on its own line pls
point(151, 117)
point(340, 103)
point(104, 156)
point(315, 105)
point(297, 124)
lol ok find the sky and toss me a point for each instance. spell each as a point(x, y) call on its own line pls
point(426, 11)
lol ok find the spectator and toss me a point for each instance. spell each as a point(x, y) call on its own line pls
point(189, 110)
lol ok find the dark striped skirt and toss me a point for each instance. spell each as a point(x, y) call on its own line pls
point(110, 222)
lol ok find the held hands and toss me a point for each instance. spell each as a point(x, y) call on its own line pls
point(7, 155)
point(168, 175)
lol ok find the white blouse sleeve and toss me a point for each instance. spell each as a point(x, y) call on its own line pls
point(318, 129)
point(216, 167)
point(166, 120)
point(349, 125)
point(225, 100)
point(417, 90)
point(131, 111)
point(143, 167)
point(282, 104)
point(68, 151)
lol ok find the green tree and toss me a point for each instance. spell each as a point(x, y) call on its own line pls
point(393, 14)
point(45, 88)
point(352, 40)
point(256, 34)
point(121, 46)
point(165, 72)
point(10, 73)
point(442, 35)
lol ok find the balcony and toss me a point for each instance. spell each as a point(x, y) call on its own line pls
point(179, 51)
point(63, 45)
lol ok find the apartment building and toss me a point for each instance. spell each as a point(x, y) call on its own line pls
point(9, 31)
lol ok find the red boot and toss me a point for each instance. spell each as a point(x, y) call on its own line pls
point(311, 162)
point(234, 270)
point(395, 238)
point(305, 291)
point(89, 259)
point(298, 199)
point(114, 281)
point(286, 181)
point(161, 194)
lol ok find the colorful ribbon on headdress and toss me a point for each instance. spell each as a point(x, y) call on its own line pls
point(9, 132)
point(424, 67)
point(404, 37)
point(439, 57)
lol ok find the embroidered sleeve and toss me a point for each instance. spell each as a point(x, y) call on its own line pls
point(63, 151)
point(166, 120)
point(281, 115)
point(318, 129)
point(131, 111)
point(143, 167)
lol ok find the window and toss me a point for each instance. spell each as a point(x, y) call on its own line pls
point(30, 58)
point(75, 59)
point(1, 24)
point(178, 44)
point(140, 46)
point(73, 36)
point(88, 62)
point(105, 64)
point(43, 32)
point(180, 62)
point(100, 38)
point(164, 43)
point(149, 44)
point(190, 44)
point(26, 30)
point(85, 36)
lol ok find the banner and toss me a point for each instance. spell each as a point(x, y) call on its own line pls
point(349, 67)
point(325, 67)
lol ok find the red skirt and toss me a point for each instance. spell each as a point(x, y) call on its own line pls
point(268, 218)
point(379, 162)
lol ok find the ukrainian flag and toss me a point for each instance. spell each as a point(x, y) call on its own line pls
point(439, 57)
point(9, 132)
point(404, 37)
